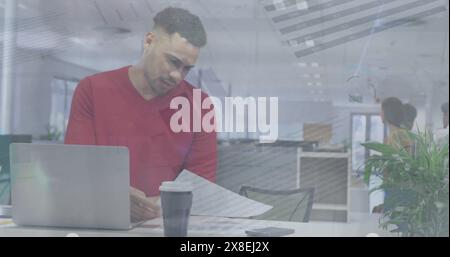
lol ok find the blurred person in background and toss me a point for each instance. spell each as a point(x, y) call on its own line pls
point(441, 135)
point(394, 118)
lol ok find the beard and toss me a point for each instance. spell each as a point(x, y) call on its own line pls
point(159, 86)
point(152, 84)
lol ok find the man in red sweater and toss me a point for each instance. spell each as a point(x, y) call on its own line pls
point(131, 107)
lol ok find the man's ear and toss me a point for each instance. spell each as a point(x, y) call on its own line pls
point(149, 39)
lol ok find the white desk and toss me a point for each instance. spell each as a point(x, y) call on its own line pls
point(360, 225)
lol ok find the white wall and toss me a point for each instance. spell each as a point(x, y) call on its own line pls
point(292, 116)
point(32, 92)
point(32, 104)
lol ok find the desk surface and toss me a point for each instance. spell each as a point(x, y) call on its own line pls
point(360, 225)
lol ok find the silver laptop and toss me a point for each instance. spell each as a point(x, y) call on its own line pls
point(70, 186)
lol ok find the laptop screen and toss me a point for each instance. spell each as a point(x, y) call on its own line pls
point(5, 141)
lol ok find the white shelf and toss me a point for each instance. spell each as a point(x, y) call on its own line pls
point(337, 207)
point(341, 172)
point(323, 154)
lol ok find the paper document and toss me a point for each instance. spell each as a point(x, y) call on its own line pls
point(213, 200)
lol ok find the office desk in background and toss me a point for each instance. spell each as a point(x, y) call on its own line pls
point(359, 225)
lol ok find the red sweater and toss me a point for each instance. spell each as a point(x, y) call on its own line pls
point(107, 110)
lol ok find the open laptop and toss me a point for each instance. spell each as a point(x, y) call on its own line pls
point(70, 186)
point(5, 186)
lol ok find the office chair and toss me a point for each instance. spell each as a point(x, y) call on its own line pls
point(5, 195)
point(288, 205)
point(5, 141)
point(4, 191)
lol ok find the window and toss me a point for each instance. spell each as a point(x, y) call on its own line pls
point(365, 128)
point(62, 93)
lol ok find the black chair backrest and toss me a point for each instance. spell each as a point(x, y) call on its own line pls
point(288, 205)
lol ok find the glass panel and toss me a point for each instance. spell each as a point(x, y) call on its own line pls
point(376, 129)
point(62, 93)
point(377, 135)
point(358, 137)
point(56, 125)
point(71, 85)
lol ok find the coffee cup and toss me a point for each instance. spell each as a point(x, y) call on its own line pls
point(176, 202)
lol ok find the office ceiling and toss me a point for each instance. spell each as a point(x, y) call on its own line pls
point(250, 45)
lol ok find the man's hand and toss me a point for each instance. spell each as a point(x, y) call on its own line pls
point(142, 207)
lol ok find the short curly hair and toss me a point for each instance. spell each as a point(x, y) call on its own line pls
point(393, 111)
point(177, 20)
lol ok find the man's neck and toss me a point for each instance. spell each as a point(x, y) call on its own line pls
point(140, 82)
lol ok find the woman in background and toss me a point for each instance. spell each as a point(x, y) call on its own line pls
point(393, 116)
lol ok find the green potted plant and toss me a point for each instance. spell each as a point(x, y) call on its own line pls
point(416, 185)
